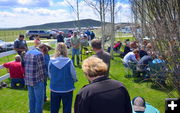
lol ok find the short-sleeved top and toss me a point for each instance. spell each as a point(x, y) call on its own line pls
point(20, 44)
point(75, 40)
point(15, 69)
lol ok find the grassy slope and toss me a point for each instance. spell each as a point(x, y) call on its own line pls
point(16, 101)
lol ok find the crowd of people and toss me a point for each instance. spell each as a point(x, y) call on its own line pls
point(101, 95)
point(140, 57)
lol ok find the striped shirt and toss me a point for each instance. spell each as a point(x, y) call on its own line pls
point(35, 69)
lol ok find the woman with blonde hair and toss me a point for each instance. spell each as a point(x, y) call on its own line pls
point(62, 77)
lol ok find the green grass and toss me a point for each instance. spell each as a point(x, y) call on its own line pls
point(10, 35)
point(16, 101)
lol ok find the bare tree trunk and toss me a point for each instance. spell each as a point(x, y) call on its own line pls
point(163, 18)
point(77, 9)
point(112, 8)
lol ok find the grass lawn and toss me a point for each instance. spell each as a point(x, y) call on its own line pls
point(16, 101)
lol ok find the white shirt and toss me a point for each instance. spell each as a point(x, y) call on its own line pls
point(130, 57)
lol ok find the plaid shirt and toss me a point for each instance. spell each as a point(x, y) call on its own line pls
point(35, 69)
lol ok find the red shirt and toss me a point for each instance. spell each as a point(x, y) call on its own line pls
point(15, 69)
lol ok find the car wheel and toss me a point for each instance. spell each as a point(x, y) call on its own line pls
point(1, 50)
point(50, 37)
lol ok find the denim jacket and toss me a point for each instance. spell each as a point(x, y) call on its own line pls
point(62, 75)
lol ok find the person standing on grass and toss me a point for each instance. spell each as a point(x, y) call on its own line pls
point(100, 53)
point(44, 49)
point(21, 47)
point(102, 95)
point(60, 37)
point(37, 41)
point(16, 72)
point(35, 71)
point(75, 44)
point(62, 77)
point(92, 35)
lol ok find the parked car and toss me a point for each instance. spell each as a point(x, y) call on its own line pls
point(5, 46)
point(42, 34)
point(67, 33)
point(54, 33)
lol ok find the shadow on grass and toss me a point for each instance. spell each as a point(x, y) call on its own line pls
point(166, 89)
point(47, 105)
point(153, 85)
point(23, 89)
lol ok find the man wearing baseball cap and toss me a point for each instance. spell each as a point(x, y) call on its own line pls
point(139, 105)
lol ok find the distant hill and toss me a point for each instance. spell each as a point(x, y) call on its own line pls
point(68, 24)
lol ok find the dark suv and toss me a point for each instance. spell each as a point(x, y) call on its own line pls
point(42, 34)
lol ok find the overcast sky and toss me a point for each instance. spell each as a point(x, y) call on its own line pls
point(19, 13)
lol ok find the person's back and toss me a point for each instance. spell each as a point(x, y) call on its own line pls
point(16, 72)
point(60, 38)
point(142, 53)
point(127, 49)
point(62, 77)
point(100, 53)
point(92, 35)
point(105, 96)
point(145, 60)
point(105, 57)
point(35, 69)
point(129, 57)
point(60, 73)
point(15, 69)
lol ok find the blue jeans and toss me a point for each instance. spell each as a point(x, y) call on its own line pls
point(66, 100)
point(36, 97)
point(75, 52)
point(17, 83)
point(45, 84)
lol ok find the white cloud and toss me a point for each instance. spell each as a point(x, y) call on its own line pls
point(58, 12)
point(7, 14)
point(59, 4)
point(26, 3)
point(23, 10)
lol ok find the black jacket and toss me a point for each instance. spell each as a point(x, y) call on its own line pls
point(60, 38)
point(103, 95)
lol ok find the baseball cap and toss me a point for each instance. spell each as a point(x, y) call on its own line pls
point(138, 104)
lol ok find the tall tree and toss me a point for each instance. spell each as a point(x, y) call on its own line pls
point(75, 10)
point(162, 18)
point(101, 7)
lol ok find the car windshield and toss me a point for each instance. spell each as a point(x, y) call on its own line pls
point(33, 31)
